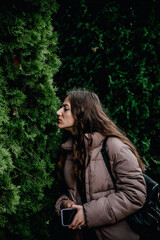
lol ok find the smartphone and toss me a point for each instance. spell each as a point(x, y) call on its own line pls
point(67, 215)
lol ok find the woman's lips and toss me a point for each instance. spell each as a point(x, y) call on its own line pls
point(59, 120)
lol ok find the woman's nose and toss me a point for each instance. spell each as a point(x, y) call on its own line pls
point(59, 112)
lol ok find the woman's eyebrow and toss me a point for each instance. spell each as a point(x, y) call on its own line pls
point(65, 105)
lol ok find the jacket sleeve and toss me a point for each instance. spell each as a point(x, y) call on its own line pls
point(130, 195)
point(58, 204)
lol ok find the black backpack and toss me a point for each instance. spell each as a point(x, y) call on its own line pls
point(146, 221)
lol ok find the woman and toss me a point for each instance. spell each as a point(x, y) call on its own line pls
point(101, 211)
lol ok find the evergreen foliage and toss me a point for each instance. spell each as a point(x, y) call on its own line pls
point(112, 47)
point(28, 132)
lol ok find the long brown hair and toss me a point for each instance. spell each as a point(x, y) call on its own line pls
point(89, 118)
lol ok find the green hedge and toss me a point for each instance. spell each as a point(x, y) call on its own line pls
point(112, 48)
point(28, 124)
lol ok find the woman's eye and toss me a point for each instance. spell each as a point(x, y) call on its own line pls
point(66, 109)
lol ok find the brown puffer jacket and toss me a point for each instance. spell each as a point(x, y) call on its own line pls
point(106, 210)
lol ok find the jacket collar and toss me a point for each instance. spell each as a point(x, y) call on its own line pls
point(97, 139)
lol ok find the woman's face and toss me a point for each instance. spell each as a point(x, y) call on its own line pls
point(65, 116)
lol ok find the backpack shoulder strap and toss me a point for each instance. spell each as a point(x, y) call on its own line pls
point(106, 160)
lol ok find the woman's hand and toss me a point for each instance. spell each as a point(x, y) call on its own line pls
point(79, 219)
point(67, 203)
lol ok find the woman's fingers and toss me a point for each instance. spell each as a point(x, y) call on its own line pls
point(79, 219)
point(67, 203)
